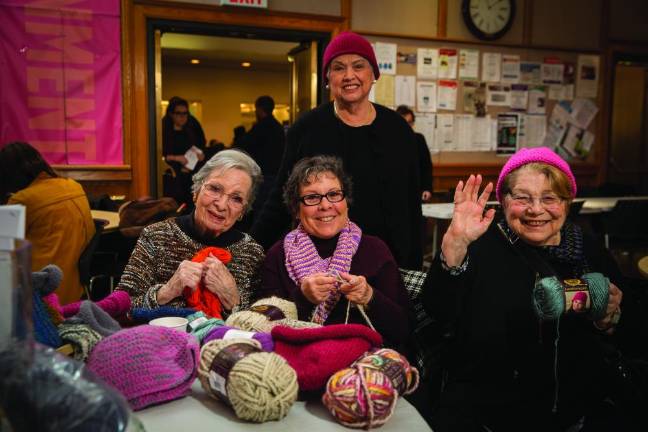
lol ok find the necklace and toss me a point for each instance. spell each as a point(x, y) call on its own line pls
point(370, 119)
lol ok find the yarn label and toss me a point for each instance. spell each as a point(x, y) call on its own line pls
point(193, 325)
point(272, 312)
point(577, 296)
point(223, 363)
point(393, 369)
point(236, 333)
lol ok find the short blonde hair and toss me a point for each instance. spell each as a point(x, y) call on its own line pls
point(558, 180)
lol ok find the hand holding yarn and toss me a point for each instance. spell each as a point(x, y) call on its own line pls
point(188, 274)
point(614, 301)
point(469, 221)
point(220, 281)
point(356, 288)
point(316, 287)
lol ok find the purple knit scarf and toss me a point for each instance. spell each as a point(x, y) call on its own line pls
point(303, 260)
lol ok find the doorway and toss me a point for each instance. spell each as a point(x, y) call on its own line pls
point(221, 70)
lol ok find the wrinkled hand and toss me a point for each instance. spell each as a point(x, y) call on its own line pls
point(614, 301)
point(469, 221)
point(188, 274)
point(220, 281)
point(316, 287)
point(356, 289)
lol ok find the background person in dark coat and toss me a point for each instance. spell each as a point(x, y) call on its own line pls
point(377, 148)
point(425, 162)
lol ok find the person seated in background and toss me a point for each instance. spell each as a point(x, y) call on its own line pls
point(181, 132)
point(59, 224)
point(507, 367)
point(160, 266)
point(327, 265)
point(425, 162)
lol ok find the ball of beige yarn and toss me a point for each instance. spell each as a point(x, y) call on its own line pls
point(255, 321)
point(260, 387)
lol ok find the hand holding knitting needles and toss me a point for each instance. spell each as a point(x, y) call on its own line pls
point(219, 280)
point(317, 287)
point(355, 288)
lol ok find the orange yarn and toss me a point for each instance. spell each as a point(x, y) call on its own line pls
point(201, 298)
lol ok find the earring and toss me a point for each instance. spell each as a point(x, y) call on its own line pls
point(327, 86)
point(240, 218)
point(375, 81)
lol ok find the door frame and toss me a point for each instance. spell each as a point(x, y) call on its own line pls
point(137, 18)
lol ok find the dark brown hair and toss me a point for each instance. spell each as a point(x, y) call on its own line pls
point(20, 164)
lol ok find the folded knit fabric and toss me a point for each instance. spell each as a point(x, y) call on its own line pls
point(147, 364)
point(144, 315)
point(116, 304)
point(82, 338)
point(96, 318)
point(54, 308)
point(44, 282)
point(201, 298)
point(317, 353)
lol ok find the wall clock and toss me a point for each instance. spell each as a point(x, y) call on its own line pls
point(488, 19)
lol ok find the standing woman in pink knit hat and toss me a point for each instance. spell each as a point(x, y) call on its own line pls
point(376, 145)
point(508, 366)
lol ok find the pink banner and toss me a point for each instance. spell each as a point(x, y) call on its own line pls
point(60, 79)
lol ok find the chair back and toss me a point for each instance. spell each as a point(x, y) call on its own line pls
point(85, 260)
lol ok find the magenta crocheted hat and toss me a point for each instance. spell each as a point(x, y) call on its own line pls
point(580, 296)
point(147, 364)
point(349, 43)
point(317, 353)
point(530, 155)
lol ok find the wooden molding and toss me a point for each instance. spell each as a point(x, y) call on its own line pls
point(346, 13)
point(442, 18)
point(527, 22)
point(95, 172)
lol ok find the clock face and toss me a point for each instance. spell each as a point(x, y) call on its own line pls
point(488, 19)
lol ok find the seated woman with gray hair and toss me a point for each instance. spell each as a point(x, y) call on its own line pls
point(161, 266)
point(327, 266)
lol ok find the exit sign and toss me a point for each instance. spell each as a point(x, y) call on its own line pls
point(246, 3)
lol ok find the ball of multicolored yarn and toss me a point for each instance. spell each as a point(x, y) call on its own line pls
point(365, 394)
point(260, 386)
point(261, 315)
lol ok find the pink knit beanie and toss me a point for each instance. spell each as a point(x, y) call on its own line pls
point(147, 364)
point(526, 156)
point(317, 353)
point(349, 43)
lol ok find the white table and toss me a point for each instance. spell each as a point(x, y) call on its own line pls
point(198, 411)
point(110, 218)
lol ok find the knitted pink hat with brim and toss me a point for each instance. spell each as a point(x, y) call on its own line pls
point(349, 43)
point(526, 156)
point(147, 364)
point(317, 353)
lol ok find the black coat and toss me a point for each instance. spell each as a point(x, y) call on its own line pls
point(265, 143)
point(425, 162)
point(386, 198)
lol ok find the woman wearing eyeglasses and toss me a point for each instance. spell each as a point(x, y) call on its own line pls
point(326, 265)
point(160, 267)
point(180, 133)
point(506, 368)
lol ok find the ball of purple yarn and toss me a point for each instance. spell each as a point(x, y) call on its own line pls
point(265, 339)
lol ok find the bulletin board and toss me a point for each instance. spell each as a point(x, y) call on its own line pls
point(572, 103)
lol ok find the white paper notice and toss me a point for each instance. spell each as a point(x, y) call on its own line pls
point(519, 97)
point(578, 142)
point(426, 96)
point(463, 132)
point(491, 67)
point(556, 92)
point(426, 125)
point(386, 57)
point(532, 130)
point(557, 127)
point(384, 90)
point(552, 73)
point(447, 95)
point(405, 90)
point(583, 112)
point(427, 63)
point(482, 134)
point(445, 132)
point(530, 73)
point(587, 75)
point(468, 64)
point(447, 63)
point(498, 95)
point(510, 69)
point(192, 157)
point(537, 100)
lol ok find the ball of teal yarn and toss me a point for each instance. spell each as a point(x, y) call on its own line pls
point(205, 325)
point(599, 294)
point(548, 298)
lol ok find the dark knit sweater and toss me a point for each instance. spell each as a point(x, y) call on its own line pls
point(501, 359)
point(383, 162)
point(388, 309)
point(164, 245)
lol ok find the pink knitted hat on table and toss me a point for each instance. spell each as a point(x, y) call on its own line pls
point(317, 353)
point(147, 364)
point(349, 43)
point(526, 156)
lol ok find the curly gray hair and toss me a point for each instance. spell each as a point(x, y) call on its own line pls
point(303, 172)
point(229, 159)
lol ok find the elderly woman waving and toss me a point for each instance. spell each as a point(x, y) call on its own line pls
point(327, 266)
point(161, 266)
point(510, 366)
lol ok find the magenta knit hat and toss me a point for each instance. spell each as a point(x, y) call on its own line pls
point(580, 296)
point(317, 353)
point(530, 155)
point(147, 364)
point(349, 43)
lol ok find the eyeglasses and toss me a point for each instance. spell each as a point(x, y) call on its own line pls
point(314, 199)
point(180, 113)
point(216, 192)
point(548, 201)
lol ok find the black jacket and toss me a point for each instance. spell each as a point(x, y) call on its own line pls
point(425, 162)
point(265, 143)
point(389, 172)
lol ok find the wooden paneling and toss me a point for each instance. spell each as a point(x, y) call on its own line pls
point(412, 17)
point(569, 24)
